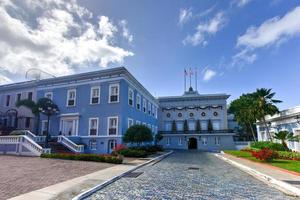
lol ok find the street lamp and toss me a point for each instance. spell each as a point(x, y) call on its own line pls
point(48, 109)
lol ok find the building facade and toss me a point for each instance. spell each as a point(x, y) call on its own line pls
point(286, 120)
point(195, 121)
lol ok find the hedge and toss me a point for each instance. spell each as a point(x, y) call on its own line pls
point(288, 155)
point(85, 157)
point(267, 144)
point(136, 153)
point(149, 148)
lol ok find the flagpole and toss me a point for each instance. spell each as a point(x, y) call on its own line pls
point(184, 73)
point(190, 77)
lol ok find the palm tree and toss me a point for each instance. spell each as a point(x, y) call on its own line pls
point(34, 107)
point(265, 105)
point(284, 136)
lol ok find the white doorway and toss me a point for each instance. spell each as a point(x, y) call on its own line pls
point(69, 126)
point(111, 145)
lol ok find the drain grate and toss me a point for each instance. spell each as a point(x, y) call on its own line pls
point(133, 174)
point(193, 168)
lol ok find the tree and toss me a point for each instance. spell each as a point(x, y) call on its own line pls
point(185, 126)
point(198, 126)
point(209, 126)
point(138, 134)
point(284, 136)
point(243, 109)
point(174, 127)
point(34, 107)
point(265, 105)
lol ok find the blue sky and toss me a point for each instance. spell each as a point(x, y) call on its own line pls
point(237, 46)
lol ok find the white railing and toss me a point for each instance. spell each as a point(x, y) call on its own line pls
point(70, 144)
point(35, 137)
point(20, 141)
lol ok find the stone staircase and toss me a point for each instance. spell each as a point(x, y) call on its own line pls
point(58, 148)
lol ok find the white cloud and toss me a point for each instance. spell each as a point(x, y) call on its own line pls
point(185, 14)
point(274, 31)
point(55, 36)
point(125, 31)
point(208, 74)
point(4, 80)
point(241, 3)
point(205, 30)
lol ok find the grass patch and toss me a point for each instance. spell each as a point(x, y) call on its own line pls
point(292, 165)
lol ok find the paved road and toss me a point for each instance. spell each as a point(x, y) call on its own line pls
point(171, 179)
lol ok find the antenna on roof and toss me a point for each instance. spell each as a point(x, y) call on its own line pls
point(37, 74)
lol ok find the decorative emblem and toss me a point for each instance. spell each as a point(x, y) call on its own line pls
point(168, 115)
point(215, 114)
point(191, 114)
point(179, 114)
point(203, 114)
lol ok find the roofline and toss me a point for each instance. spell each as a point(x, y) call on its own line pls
point(192, 97)
point(286, 113)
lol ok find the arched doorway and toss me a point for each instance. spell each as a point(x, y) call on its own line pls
point(193, 143)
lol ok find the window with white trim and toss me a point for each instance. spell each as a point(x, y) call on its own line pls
point(112, 125)
point(153, 110)
point(93, 126)
point(138, 102)
point(130, 122)
point(168, 141)
point(93, 144)
point(144, 124)
point(95, 95)
point(217, 140)
point(204, 140)
point(19, 95)
point(180, 141)
point(7, 100)
point(29, 96)
point(149, 108)
point(130, 97)
point(144, 106)
point(71, 99)
point(114, 93)
point(138, 122)
point(49, 95)
point(44, 127)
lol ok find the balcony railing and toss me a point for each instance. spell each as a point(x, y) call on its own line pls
point(198, 132)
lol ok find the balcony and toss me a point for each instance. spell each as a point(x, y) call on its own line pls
point(230, 131)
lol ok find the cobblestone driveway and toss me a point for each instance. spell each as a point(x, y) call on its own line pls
point(20, 175)
point(171, 179)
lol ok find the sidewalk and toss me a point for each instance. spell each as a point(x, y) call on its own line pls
point(70, 188)
point(288, 182)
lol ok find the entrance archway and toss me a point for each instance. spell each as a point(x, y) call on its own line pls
point(193, 143)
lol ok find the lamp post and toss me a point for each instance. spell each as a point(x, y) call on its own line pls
point(48, 109)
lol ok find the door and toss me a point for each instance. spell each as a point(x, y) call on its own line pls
point(193, 143)
point(111, 145)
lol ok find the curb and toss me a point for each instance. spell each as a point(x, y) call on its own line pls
point(280, 185)
point(102, 185)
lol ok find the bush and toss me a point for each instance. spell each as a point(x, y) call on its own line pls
point(85, 157)
point(267, 144)
point(265, 154)
point(289, 155)
point(136, 153)
point(149, 148)
point(138, 134)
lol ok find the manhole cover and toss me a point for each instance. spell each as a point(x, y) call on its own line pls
point(193, 168)
point(133, 174)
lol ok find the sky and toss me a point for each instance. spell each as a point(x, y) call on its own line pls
point(236, 46)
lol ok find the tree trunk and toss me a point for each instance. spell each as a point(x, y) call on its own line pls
point(267, 129)
point(252, 131)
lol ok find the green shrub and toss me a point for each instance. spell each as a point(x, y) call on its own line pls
point(149, 148)
point(85, 157)
point(268, 145)
point(136, 153)
point(289, 155)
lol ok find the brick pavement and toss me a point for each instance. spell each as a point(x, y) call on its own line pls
point(19, 175)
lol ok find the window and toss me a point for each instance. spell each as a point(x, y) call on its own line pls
point(44, 127)
point(71, 100)
point(7, 100)
point(112, 125)
point(144, 124)
point(149, 108)
point(217, 140)
point(216, 125)
point(130, 97)
point(168, 141)
point(30, 95)
point(19, 97)
point(138, 123)
point(144, 105)
point(130, 122)
point(95, 95)
point(49, 95)
point(168, 126)
point(203, 125)
point(93, 144)
point(138, 102)
point(179, 126)
point(204, 140)
point(27, 122)
point(93, 126)
point(153, 110)
point(113, 93)
point(180, 141)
